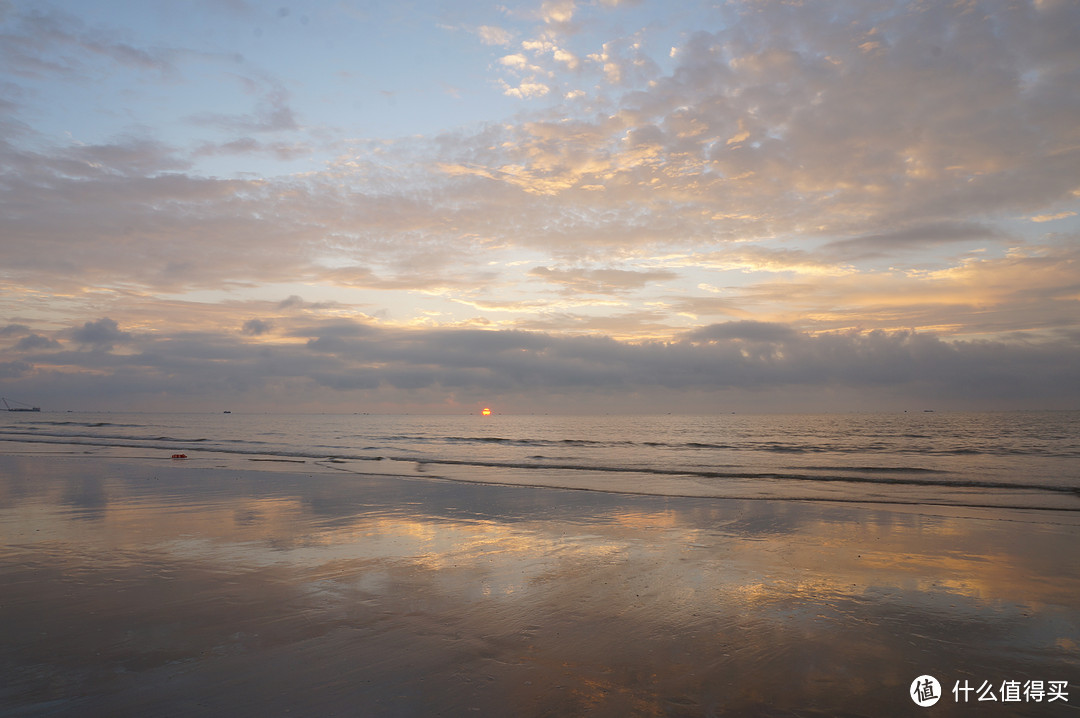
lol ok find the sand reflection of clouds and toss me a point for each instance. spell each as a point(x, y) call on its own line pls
point(747, 552)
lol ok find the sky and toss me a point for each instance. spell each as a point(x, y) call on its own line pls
point(541, 206)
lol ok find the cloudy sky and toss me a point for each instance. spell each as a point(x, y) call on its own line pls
point(579, 205)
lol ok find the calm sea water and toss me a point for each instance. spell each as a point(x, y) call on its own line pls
point(1013, 459)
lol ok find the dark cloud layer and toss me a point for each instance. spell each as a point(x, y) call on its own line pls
point(351, 363)
point(256, 327)
point(33, 342)
point(102, 334)
point(912, 239)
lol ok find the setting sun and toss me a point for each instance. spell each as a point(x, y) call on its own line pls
point(485, 411)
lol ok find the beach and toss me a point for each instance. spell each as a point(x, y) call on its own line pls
point(135, 584)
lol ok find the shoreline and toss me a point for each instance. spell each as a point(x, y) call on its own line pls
point(1063, 501)
point(171, 587)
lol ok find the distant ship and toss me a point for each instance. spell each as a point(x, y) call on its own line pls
point(20, 406)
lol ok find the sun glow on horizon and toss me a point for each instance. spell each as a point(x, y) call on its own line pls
point(485, 412)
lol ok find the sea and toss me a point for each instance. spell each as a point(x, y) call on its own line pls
point(1024, 460)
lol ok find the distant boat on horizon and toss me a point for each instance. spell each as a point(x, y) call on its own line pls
point(20, 407)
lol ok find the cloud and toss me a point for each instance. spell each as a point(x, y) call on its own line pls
point(130, 157)
point(1031, 289)
point(526, 90)
point(529, 82)
point(14, 329)
point(652, 172)
point(14, 369)
point(34, 342)
point(284, 151)
point(342, 362)
point(516, 61)
point(101, 335)
point(566, 57)
point(547, 47)
point(914, 238)
point(492, 35)
point(888, 166)
point(557, 12)
point(273, 113)
point(256, 327)
point(757, 259)
point(46, 41)
point(743, 330)
point(627, 325)
point(600, 281)
point(1052, 217)
point(825, 140)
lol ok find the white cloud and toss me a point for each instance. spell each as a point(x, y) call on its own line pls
point(612, 69)
point(516, 61)
point(567, 58)
point(537, 46)
point(558, 11)
point(526, 90)
point(492, 35)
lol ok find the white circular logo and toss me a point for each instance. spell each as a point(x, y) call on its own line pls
point(925, 691)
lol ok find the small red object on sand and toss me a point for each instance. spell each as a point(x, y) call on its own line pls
point(179, 456)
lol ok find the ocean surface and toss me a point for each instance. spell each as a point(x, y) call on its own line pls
point(1026, 460)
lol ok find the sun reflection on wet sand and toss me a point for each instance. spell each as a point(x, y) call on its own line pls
point(134, 586)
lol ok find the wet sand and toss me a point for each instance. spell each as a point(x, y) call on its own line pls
point(139, 586)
